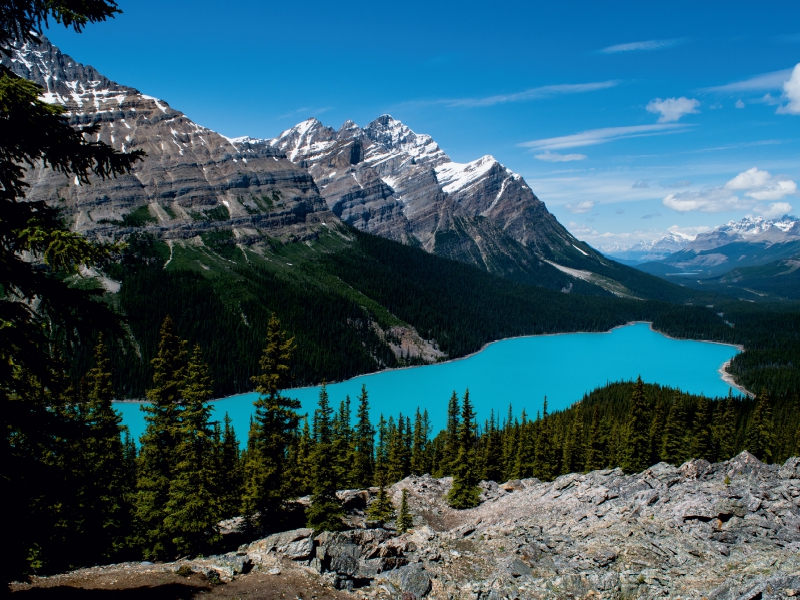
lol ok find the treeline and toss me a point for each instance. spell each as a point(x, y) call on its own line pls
point(91, 497)
point(333, 302)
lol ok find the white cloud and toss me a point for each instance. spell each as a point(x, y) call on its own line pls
point(709, 200)
point(757, 185)
point(673, 109)
point(581, 207)
point(791, 91)
point(775, 190)
point(545, 91)
point(749, 179)
point(762, 185)
point(602, 136)
point(635, 46)
point(776, 209)
point(765, 81)
point(739, 103)
point(556, 157)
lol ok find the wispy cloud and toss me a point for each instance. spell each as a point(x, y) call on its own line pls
point(556, 157)
point(672, 109)
point(545, 91)
point(581, 207)
point(763, 82)
point(593, 137)
point(638, 46)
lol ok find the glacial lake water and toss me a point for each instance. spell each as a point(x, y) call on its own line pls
point(520, 371)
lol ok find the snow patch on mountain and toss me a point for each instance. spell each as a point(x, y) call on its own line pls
point(454, 177)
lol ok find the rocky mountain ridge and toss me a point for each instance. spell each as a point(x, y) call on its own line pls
point(727, 531)
point(388, 180)
point(192, 179)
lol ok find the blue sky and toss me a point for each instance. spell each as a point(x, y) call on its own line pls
point(626, 118)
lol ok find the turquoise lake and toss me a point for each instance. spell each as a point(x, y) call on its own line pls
point(520, 371)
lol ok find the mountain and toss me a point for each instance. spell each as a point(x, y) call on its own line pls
point(653, 250)
point(193, 180)
point(752, 258)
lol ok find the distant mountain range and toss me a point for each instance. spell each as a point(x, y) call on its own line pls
point(754, 258)
point(384, 179)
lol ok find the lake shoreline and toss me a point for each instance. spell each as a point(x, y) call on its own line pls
point(726, 377)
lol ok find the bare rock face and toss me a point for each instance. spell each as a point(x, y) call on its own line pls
point(192, 178)
point(390, 181)
point(726, 531)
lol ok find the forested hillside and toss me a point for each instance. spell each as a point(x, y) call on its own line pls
point(346, 296)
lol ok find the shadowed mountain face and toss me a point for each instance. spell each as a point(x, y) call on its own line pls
point(192, 179)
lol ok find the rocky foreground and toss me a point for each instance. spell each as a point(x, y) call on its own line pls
point(729, 530)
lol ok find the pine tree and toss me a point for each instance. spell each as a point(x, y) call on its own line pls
point(573, 460)
point(636, 448)
point(725, 429)
point(595, 448)
point(465, 492)
point(193, 507)
point(267, 482)
point(325, 512)
point(674, 442)
point(544, 462)
point(230, 472)
point(760, 438)
point(299, 462)
point(381, 509)
point(156, 460)
point(657, 431)
point(364, 444)
point(526, 449)
point(702, 442)
point(419, 446)
point(107, 525)
point(394, 464)
point(342, 444)
point(37, 253)
point(405, 520)
point(493, 453)
point(451, 441)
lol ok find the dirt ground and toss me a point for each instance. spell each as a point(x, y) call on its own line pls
point(292, 583)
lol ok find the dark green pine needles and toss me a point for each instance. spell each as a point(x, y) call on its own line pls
point(465, 492)
point(325, 512)
point(636, 456)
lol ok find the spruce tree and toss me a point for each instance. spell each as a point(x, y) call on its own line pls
point(702, 442)
point(674, 442)
point(760, 438)
point(595, 447)
point(419, 446)
point(396, 450)
point(493, 453)
point(299, 461)
point(526, 449)
point(465, 492)
point(657, 430)
point(363, 444)
point(193, 507)
point(725, 429)
point(405, 520)
point(451, 441)
point(573, 460)
point(342, 444)
point(156, 460)
point(381, 509)
point(544, 462)
point(267, 482)
point(636, 445)
point(107, 525)
point(230, 472)
point(325, 512)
